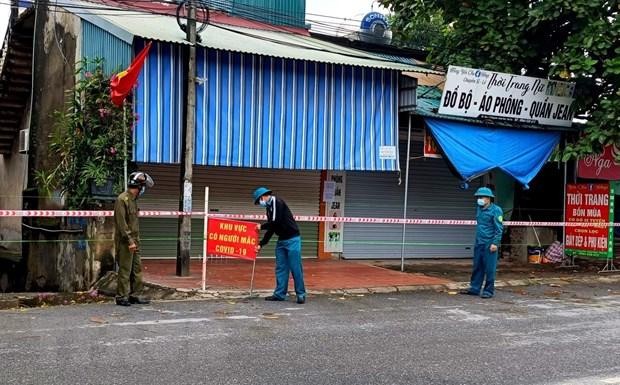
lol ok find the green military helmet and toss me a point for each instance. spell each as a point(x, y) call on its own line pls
point(259, 192)
point(484, 192)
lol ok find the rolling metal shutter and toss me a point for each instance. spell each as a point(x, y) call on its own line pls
point(433, 193)
point(230, 191)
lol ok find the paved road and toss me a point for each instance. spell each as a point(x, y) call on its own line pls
point(540, 335)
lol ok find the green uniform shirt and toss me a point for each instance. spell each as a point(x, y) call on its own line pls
point(490, 225)
point(126, 226)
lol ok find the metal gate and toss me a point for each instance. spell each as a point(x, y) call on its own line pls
point(230, 191)
point(433, 193)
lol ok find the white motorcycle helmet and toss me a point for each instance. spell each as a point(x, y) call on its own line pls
point(140, 179)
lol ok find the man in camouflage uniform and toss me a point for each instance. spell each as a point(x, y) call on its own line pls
point(127, 241)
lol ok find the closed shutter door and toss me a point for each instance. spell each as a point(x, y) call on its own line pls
point(230, 192)
point(434, 193)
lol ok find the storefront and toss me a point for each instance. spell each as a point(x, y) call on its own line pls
point(229, 193)
point(271, 109)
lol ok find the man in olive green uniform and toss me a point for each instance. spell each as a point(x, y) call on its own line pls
point(127, 240)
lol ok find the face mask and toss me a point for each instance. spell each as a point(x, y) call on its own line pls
point(266, 203)
point(481, 202)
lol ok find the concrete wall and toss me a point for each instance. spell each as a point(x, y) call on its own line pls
point(13, 174)
point(57, 253)
point(55, 59)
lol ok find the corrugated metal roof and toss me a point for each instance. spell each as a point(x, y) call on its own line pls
point(239, 39)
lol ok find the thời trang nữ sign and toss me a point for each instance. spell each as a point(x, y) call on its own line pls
point(478, 93)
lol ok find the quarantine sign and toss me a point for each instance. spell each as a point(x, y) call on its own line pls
point(232, 238)
point(591, 205)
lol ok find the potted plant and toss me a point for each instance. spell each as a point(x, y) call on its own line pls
point(91, 141)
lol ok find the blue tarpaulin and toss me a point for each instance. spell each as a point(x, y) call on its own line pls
point(474, 149)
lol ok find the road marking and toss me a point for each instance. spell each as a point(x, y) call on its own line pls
point(240, 317)
point(155, 322)
point(614, 380)
point(468, 316)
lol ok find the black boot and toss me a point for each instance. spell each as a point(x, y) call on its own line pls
point(123, 302)
point(139, 301)
point(273, 298)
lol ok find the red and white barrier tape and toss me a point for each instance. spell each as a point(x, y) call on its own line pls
point(300, 218)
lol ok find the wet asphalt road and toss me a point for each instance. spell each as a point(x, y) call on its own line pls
point(536, 335)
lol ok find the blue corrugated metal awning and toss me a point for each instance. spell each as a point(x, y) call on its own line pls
point(255, 111)
point(99, 43)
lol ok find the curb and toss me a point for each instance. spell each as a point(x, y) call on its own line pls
point(451, 286)
point(163, 293)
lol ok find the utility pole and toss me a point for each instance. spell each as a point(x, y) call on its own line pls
point(185, 221)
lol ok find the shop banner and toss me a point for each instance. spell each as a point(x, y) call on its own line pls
point(593, 206)
point(232, 238)
point(431, 150)
point(333, 196)
point(477, 93)
point(601, 166)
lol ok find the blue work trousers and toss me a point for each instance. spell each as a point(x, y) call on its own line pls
point(485, 265)
point(288, 261)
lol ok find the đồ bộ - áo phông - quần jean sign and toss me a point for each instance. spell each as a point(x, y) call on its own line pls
point(477, 93)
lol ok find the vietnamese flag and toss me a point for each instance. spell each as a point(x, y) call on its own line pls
point(122, 83)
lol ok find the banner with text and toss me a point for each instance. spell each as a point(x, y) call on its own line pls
point(333, 196)
point(232, 238)
point(478, 93)
point(591, 204)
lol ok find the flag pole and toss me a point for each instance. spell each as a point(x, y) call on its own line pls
point(125, 143)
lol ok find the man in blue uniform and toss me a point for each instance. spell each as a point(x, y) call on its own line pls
point(280, 221)
point(489, 229)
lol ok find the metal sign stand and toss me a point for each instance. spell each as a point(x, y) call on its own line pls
point(570, 261)
point(252, 279)
point(609, 266)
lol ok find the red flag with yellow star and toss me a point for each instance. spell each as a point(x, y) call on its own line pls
point(122, 83)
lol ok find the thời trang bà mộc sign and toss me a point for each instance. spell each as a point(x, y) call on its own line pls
point(478, 93)
point(230, 238)
point(593, 206)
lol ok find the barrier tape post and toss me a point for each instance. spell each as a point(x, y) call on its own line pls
point(205, 240)
point(252, 279)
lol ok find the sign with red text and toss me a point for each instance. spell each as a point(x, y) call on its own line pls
point(601, 166)
point(591, 205)
point(431, 150)
point(232, 238)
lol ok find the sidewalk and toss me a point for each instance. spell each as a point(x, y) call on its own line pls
point(319, 276)
point(232, 277)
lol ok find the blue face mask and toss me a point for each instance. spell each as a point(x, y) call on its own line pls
point(266, 203)
point(481, 202)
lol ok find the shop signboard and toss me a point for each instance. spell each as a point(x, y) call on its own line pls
point(603, 166)
point(589, 209)
point(334, 199)
point(431, 149)
point(477, 93)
